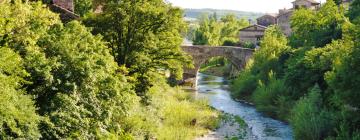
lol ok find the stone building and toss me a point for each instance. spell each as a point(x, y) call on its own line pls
point(309, 4)
point(283, 21)
point(65, 8)
point(267, 20)
point(252, 34)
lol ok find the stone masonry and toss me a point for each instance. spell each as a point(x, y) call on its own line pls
point(238, 56)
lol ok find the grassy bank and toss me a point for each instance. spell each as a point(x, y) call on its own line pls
point(172, 114)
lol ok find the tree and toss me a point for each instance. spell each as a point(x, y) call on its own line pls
point(144, 36)
point(271, 57)
point(354, 11)
point(208, 32)
point(230, 29)
point(18, 119)
point(321, 26)
point(78, 87)
point(272, 54)
point(83, 7)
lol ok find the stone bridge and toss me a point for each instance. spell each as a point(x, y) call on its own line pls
point(238, 56)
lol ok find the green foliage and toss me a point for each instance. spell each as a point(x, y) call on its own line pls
point(92, 94)
point(354, 11)
point(321, 26)
point(230, 29)
point(269, 98)
point(144, 36)
point(209, 31)
point(77, 84)
point(249, 45)
point(308, 119)
point(18, 119)
point(171, 114)
point(83, 7)
point(268, 58)
point(243, 86)
point(325, 52)
point(63, 82)
point(343, 78)
point(213, 32)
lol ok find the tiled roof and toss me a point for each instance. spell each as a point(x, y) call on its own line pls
point(255, 25)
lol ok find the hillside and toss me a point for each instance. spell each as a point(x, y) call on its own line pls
point(195, 13)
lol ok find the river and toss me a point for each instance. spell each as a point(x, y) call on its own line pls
point(215, 89)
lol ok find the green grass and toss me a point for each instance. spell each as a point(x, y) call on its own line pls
point(173, 115)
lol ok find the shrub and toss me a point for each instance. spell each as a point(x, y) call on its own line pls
point(309, 120)
point(268, 97)
point(244, 85)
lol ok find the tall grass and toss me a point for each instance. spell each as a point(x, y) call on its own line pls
point(172, 115)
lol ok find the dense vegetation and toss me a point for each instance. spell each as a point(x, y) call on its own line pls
point(196, 13)
point(214, 32)
point(62, 81)
point(310, 79)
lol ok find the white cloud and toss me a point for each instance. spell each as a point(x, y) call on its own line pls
point(265, 6)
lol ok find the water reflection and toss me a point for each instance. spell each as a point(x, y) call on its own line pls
point(215, 89)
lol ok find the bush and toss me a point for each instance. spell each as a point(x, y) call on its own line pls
point(249, 45)
point(230, 42)
point(309, 120)
point(244, 85)
point(268, 98)
point(171, 115)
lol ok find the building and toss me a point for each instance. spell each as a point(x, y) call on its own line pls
point(65, 8)
point(252, 34)
point(309, 4)
point(283, 21)
point(267, 20)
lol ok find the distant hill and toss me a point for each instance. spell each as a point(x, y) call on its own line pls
point(195, 13)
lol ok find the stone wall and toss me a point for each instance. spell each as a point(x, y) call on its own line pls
point(66, 4)
point(283, 21)
point(251, 36)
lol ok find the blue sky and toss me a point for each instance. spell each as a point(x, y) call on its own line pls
point(264, 6)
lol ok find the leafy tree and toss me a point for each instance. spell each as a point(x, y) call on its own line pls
point(83, 7)
point(321, 26)
point(78, 87)
point(215, 33)
point(209, 31)
point(230, 29)
point(144, 36)
point(89, 92)
point(270, 57)
point(18, 119)
point(354, 11)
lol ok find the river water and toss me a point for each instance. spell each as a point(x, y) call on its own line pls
point(215, 89)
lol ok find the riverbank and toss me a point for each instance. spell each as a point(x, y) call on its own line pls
point(231, 127)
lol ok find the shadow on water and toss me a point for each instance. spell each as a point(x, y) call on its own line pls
point(215, 89)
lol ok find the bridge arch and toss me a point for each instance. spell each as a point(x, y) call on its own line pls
point(238, 56)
